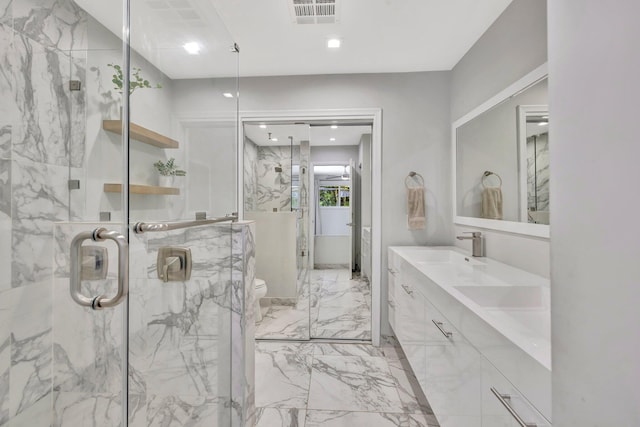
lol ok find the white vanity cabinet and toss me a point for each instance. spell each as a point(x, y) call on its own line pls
point(447, 366)
point(456, 369)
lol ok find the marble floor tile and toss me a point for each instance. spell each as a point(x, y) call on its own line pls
point(339, 307)
point(353, 383)
point(283, 373)
point(411, 395)
point(338, 349)
point(276, 417)
point(390, 347)
point(350, 384)
point(284, 322)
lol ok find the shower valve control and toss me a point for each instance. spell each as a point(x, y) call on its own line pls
point(174, 264)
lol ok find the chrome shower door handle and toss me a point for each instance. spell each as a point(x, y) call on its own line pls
point(100, 301)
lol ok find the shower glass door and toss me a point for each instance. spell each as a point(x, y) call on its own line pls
point(276, 188)
point(92, 332)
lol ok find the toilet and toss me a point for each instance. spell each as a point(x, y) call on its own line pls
point(261, 291)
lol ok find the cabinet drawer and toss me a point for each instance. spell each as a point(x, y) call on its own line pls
point(452, 379)
point(502, 403)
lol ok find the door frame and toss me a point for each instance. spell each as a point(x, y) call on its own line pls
point(374, 115)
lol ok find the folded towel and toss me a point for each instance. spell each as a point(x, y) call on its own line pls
point(492, 203)
point(415, 208)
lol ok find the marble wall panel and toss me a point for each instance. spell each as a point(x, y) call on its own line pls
point(5, 354)
point(6, 12)
point(250, 175)
point(5, 207)
point(30, 377)
point(538, 172)
point(40, 197)
point(44, 103)
point(274, 188)
point(87, 409)
point(58, 24)
point(180, 334)
point(243, 326)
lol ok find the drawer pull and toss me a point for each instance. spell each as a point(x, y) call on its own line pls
point(439, 326)
point(407, 290)
point(392, 304)
point(505, 399)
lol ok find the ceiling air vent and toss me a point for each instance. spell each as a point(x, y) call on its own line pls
point(314, 11)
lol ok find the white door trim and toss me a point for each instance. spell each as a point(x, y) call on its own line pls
point(375, 116)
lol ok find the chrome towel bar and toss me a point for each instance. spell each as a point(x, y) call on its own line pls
point(144, 227)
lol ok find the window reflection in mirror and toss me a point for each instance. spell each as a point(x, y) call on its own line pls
point(502, 160)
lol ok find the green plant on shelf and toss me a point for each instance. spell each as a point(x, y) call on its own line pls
point(135, 82)
point(169, 168)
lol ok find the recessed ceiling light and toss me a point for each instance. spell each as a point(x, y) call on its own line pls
point(227, 95)
point(332, 139)
point(543, 123)
point(334, 126)
point(274, 139)
point(263, 126)
point(192, 48)
point(333, 43)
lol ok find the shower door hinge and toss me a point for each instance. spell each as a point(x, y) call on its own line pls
point(74, 85)
point(74, 184)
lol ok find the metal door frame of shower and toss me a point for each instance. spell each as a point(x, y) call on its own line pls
point(374, 115)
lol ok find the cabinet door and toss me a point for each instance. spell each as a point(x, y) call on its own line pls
point(453, 377)
point(499, 396)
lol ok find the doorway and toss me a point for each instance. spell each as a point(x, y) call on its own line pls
point(324, 173)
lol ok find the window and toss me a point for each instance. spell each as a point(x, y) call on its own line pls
point(334, 195)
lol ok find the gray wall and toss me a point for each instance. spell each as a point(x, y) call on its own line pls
point(338, 154)
point(513, 46)
point(415, 136)
point(594, 67)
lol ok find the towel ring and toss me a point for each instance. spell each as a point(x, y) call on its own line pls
point(487, 174)
point(419, 179)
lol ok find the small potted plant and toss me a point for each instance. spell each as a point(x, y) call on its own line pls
point(135, 82)
point(167, 171)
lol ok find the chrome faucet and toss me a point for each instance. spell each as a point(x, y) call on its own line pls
point(476, 244)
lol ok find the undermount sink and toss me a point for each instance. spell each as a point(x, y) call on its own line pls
point(530, 297)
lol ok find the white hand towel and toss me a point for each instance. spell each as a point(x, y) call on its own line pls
point(492, 203)
point(416, 218)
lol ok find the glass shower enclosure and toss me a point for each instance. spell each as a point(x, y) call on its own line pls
point(117, 125)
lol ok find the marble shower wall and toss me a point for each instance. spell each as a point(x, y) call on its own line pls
point(273, 189)
point(302, 223)
point(250, 175)
point(42, 135)
point(538, 172)
point(188, 340)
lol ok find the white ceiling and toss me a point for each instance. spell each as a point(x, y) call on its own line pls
point(377, 35)
point(316, 135)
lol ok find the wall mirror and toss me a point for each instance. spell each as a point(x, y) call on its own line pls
point(501, 160)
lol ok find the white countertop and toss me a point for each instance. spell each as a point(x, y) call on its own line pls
point(514, 302)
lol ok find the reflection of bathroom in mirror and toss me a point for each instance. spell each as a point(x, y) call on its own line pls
point(502, 160)
point(533, 135)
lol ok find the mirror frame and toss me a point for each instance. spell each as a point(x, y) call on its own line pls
point(525, 228)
